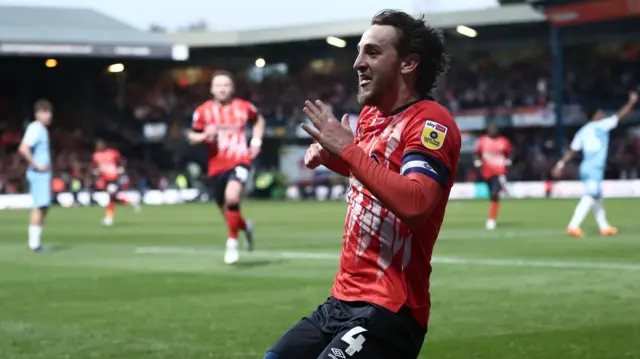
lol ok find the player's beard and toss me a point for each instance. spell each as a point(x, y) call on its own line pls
point(223, 99)
point(370, 94)
point(374, 93)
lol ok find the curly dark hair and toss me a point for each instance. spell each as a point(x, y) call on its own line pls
point(417, 37)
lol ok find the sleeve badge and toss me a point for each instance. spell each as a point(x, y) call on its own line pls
point(433, 135)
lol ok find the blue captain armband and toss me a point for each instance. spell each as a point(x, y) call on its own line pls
point(419, 162)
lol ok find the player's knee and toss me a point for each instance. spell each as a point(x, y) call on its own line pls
point(271, 355)
point(232, 199)
point(233, 206)
point(494, 197)
point(233, 192)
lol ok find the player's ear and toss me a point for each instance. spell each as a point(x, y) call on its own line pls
point(409, 63)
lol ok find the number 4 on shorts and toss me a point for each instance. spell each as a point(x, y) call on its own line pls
point(354, 340)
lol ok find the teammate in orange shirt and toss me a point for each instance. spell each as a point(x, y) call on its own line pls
point(492, 155)
point(106, 163)
point(221, 123)
point(401, 166)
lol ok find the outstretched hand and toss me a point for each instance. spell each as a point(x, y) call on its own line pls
point(331, 134)
point(556, 172)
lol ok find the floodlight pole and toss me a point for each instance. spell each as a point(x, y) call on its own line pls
point(557, 52)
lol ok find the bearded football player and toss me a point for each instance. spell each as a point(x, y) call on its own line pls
point(401, 163)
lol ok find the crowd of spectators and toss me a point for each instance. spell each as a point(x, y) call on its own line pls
point(72, 154)
point(475, 81)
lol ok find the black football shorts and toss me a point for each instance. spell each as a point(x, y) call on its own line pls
point(496, 184)
point(351, 330)
point(218, 183)
point(112, 188)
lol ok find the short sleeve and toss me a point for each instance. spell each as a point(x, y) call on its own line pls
point(197, 121)
point(252, 111)
point(31, 135)
point(608, 123)
point(576, 143)
point(430, 149)
point(507, 145)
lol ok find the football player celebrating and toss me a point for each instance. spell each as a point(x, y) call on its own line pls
point(401, 165)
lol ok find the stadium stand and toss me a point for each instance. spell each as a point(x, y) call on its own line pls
point(494, 79)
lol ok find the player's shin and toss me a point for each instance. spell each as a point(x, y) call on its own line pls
point(581, 211)
point(109, 212)
point(601, 218)
point(234, 220)
point(35, 228)
point(493, 211)
point(234, 224)
point(34, 236)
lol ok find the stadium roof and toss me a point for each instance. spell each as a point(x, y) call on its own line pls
point(493, 16)
point(77, 32)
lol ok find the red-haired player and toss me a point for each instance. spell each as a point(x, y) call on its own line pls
point(221, 123)
point(492, 155)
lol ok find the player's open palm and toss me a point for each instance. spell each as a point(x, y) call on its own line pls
point(330, 133)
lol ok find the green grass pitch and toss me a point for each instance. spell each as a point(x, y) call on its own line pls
point(154, 285)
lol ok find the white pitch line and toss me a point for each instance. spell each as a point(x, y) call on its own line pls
point(534, 263)
point(255, 254)
point(440, 260)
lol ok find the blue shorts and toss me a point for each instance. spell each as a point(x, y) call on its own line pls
point(592, 183)
point(40, 190)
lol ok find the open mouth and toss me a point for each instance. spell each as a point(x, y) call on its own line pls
point(364, 81)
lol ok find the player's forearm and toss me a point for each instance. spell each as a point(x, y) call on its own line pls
point(566, 158)
point(258, 129)
point(335, 163)
point(509, 159)
point(25, 152)
point(410, 198)
point(196, 138)
point(625, 110)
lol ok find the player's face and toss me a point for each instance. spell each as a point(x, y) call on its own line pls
point(44, 116)
point(222, 88)
point(377, 64)
point(100, 146)
point(492, 131)
point(599, 115)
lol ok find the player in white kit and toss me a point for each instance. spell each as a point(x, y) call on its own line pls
point(593, 140)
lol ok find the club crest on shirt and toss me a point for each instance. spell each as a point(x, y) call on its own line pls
point(433, 135)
